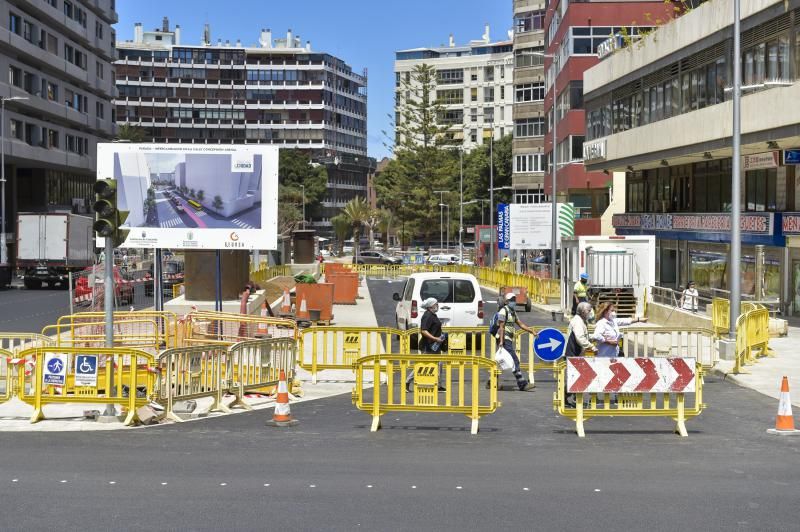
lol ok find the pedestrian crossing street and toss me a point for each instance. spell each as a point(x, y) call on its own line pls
point(241, 224)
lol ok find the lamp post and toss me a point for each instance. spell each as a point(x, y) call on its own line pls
point(446, 206)
point(736, 245)
point(3, 243)
point(461, 209)
point(304, 205)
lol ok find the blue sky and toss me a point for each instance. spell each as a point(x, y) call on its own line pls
point(364, 33)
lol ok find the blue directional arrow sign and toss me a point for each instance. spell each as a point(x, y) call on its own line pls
point(550, 345)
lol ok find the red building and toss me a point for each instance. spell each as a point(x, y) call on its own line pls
point(577, 34)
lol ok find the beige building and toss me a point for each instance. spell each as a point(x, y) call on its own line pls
point(530, 126)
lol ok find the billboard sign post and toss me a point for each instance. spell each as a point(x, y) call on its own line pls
point(193, 196)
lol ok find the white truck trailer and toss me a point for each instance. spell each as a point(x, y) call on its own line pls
point(50, 245)
point(620, 268)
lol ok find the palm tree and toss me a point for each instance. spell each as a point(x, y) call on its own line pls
point(341, 227)
point(385, 226)
point(131, 133)
point(357, 212)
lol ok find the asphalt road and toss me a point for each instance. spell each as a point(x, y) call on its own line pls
point(525, 470)
point(169, 217)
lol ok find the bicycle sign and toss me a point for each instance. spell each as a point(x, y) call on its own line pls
point(55, 369)
point(86, 370)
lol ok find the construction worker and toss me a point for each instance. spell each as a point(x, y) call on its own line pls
point(580, 292)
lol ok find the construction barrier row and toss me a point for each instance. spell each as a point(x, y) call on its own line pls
point(462, 378)
point(263, 275)
point(752, 336)
point(629, 387)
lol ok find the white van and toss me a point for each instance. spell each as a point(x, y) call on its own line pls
point(459, 296)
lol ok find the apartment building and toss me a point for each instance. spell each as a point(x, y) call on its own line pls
point(663, 115)
point(474, 84)
point(277, 91)
point(576, 34)
point(58, 55)
point(529, 164)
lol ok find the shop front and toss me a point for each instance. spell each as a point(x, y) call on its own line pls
point(696, 247)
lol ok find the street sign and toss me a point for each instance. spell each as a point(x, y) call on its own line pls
point(550, 345)
point(86, 370)
point(791, 156)
point(503, 226)
point(55, 370)
point(630, 375)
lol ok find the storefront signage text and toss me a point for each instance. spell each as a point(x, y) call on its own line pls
point(759, 161)
point(759, 224)
point(791, 223)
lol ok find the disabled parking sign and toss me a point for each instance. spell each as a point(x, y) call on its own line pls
point(55, 369)
point(86, 370)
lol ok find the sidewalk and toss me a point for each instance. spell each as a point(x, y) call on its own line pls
point(15, 415)
point(766, 374)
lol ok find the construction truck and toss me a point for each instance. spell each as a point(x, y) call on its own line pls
point(51, 245)
point(620, 268)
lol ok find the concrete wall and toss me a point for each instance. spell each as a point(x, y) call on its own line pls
point(665, 315)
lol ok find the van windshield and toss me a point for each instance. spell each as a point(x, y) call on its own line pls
point(448, 290)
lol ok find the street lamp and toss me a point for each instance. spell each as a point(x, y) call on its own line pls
point(3, 243)
point(736, 245)
point(473, 202)
point(446, 206)
point(304, 205)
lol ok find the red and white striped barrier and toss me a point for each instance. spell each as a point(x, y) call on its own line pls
point(631, 375)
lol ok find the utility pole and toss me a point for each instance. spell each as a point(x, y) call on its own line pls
point(491, 199)
point(441, 216)
point(553, 172)
point(736, 245)
point(461, 209)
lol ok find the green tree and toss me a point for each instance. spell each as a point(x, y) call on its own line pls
point(296, 168)
point(131, 133)
point(357, 212)
point(201, 195)
point(191, 193)
point(341, 228)
point(218, 203)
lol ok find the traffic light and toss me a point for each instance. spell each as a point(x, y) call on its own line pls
point(108, 217)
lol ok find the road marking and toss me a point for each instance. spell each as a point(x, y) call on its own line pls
point(223, 484)
point(597, 491)
point(369, 485)
point(266, 485)
point(312, 485)
point(112, 482)
point(15, 480)
point(63, 481)
point(413, 487)
point(163, 483)
point(525, 489)
point(458, 487)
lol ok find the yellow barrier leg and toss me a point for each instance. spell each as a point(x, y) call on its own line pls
point(579, 416)
point(376, 399)
point(680, 428)
point(130, 419)
point(314, 355)
point(38, 415)
point(475, 397)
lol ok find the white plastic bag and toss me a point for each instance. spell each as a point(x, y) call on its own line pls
point(503, 359)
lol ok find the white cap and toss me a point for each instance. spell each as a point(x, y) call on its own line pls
point(510, 296)
point(428, 303)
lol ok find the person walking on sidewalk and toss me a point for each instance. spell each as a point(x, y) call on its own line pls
point(507, 322)
point(432, 339)
point(580, 292)
point(689, 298)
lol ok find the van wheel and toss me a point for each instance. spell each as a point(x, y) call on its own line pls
point(32, 284)
point(528, 306)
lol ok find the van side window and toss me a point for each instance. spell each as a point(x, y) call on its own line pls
point(409, 291)
point(464, 292)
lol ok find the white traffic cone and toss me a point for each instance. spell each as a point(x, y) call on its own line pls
point(282, 416)
point(784, 422)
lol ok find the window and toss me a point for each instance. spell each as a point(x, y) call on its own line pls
point(52, 138)
point(473, 115)
point(441, 289)
point(529, 57)
point(529, 92)
point(15, 23)
point(28, 82)
point(463, 291)
point(530, 21)
point(473, 93)
point(488, 94)
point(98, 29)
point(52, 44)
point(450, 96)
point(69, 10)
point(51, 90)
point(99, 110)
point(488, 73)
point(53, 3)
point(16, 129)
point(488, 115)
point(533, 195)
point(529, 127)
point(100, 70)
point(450, 77)
point(760, 188)
point(15, 76)
point(529, 162)
point(27, 31)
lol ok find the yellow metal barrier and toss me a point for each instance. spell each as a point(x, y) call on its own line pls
point(697, 343)
point(191, 373)
point(323, 348)
point(205, 327)
point(263, 275)
point(177, 290)
point(637, 404)
point(752, 333)
point(6, 375)
point(130, 389)
point(464, 392)
point(16, 342)
point(135, 333)
point(257, 364)
point(167, 322)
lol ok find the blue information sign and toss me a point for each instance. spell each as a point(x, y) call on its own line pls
point(550, 344)
point(791, 156)
point(503, 225)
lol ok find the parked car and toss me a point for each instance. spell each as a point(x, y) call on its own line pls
point(123, 292)
point(459, 296)
point(376, 257)
point(172, 274)
point(443, 260)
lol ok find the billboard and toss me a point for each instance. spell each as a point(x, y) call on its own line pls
point(531, 224)
point(199, 196)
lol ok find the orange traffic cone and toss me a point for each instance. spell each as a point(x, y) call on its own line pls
point(262, 327)
point(784, 422)
point(282, 416)
point(302, 310)
point(286, 303)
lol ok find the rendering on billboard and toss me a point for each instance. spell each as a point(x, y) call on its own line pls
point(185, 196)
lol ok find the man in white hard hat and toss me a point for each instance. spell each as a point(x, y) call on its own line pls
point(432, 339)
point(507, 321)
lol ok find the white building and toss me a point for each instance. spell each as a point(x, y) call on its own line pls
point(132, 173)
point(211, 174)
point(475, 85)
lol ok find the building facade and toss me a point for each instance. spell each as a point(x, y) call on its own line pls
point(59, 58)
point(276, 92)
point(529, 164)
point(662, 114)
point(575, 33)
point(474, 85)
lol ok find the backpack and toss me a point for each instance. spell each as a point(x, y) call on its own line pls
point(494, 325)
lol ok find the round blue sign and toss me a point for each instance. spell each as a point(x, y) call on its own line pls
point(55, 365)
point(550, 344)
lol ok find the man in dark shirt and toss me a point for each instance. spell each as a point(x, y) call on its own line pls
point(433, 339)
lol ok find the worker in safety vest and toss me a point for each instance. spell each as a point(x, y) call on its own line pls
point(580, 292)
